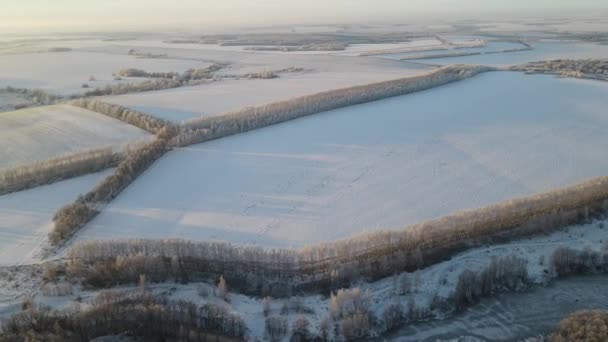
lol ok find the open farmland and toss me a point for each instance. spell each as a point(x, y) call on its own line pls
point(42, 133)
point(65, 73)
point(380, 165)
point(219, 97)
point(26, 217)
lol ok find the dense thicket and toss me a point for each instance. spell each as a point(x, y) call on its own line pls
point(566, 261)
point(53, 170)
point(142, 316)
point(206, 128)
point(136, 118)
point(503, 274)
point(334, 265)
point(72, 217)
point(583, 325)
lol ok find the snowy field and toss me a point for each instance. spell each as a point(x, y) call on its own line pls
point(380, 165)
point(220, 97)
point(26, 217)
point(41, 133)
point(64, 73)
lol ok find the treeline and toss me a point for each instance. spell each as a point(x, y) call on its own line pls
point(136, 118)
point(140, 316)
point(585, 325)
point(159, 81)
point(53, 170)
point(207, 128)
point(37, 96)
point(334, 265)
point(72, 217)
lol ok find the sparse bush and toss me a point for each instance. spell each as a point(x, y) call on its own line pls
point(393, 316)
point(325, 329)
point(57, 290)
point(300, 330)
point(266, 305)
point(276, 328)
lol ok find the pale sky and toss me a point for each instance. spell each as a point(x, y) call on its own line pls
point(112, 14)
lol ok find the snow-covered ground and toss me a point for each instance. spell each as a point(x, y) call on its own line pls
point(64, 73)
point(42, 133)
point(26, 217)
point(221, 97)
point(380, 165)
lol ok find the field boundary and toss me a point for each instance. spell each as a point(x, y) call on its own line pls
point(338, 264)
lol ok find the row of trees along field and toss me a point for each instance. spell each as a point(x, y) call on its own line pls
point(27, 176)
point(207, 128)
point(139, 315)
point(157, 81)
point(337, 264)
point(350, 315)
point(136, 118)
point(72, 217)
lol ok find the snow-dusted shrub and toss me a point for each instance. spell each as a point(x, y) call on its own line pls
point(300, 330)
point(57, 290)
point(583, 325)
point(393, 316)
point(355, 326)
point(346, 302)
point(503, 274)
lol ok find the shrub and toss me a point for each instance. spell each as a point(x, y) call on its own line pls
point(583, 326)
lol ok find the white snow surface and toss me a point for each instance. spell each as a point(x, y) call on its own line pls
point(221, 97)
point(26, 217)
point(64, 73)
point(41, 133)
point(381, 165)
